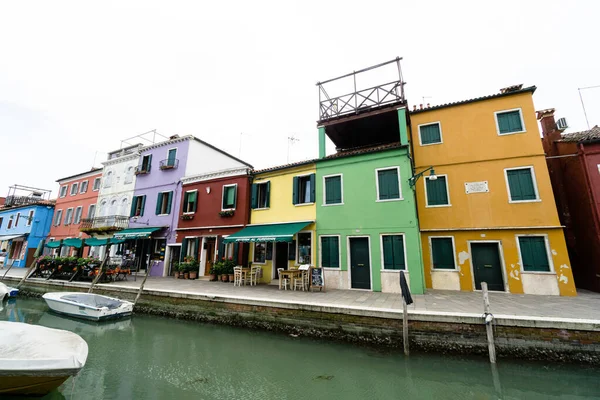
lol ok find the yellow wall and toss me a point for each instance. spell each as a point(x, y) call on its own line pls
point(281, 209)
point(472, 151)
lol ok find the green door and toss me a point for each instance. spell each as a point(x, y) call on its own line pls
point(360, 269)
point(486, 266)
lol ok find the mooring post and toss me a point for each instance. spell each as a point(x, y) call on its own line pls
point(405, 326)
point(488, 319)
point(141, 289)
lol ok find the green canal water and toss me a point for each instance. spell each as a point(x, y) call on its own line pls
point(157, 358)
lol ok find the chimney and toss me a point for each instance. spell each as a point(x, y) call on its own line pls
point(549, 132)
point(415, 107)
point(420, 106)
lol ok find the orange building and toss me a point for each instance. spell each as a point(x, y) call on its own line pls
point(77, 196)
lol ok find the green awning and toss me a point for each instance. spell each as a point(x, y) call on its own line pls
point(53, 244)
point(73, 242)
point(136, 233)
point(268, 233)
point(102, 242)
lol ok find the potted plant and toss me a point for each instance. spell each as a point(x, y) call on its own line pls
point(187, 217)
point(176, 270)
point(217, 268)
point(212, 271)
point(227, 213)
point(194, 269)
point(181, 268)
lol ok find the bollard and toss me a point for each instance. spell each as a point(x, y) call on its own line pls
point(488, 319)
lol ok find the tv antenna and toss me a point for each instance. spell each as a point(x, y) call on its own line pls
point(582, 105)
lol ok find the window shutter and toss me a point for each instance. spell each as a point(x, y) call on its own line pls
point(236, 250)
point(295, 190)
point(196, 247)
point(333, 190)
point(143, 206)
point(312, 188)
point(325, 252)
point(334, 251)
point(388, 253)
point(158, 202)
point(234, 190)
point(268, 195)
point(195, 200)
point(442, 252)
point(509, 122)
point(269, 252)
point(430, 134)
point(292, 250)
point(398, 248)
point(184, 246)
point(171, 157)
point(388, 184)
point(513, 185)
point(533, 254)
point(169, 201)
point(436, 191)
point(254, 196)
point(221, 247)
point(149, 161)
point(526, 184)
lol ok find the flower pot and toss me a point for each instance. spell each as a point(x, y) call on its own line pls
point(212, 277)
point(219, 278)
point(181, 275)
point(231, 277)
point(186, 275)
point(224, 278)
point(193, 275)
point(176, 274)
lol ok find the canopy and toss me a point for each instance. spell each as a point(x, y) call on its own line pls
point(9, 237)
point(136, 233)
point(267, 233)
point(73, 242)
point(53, 244)
point(102, 242)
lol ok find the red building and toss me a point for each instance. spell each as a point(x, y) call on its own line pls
point(214, 206)
point(574, 164)
point(76, 200)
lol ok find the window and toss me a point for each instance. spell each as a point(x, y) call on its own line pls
point(29, 218)
point(1, 220)
point(96, 186)
point(388, 184)
point(63, 191)
point(74, 188)
point(103, 211)
point(430, 134)
point(77, 218)
point(190, 201)
point(68, 216)
point(304, 248)
point(436, 191)
point(108, 179)
point(58, 217)
point(137, 206)
point(332, 191)
point(171, 156)
point(91, 211)
point(129, 175)
point(146, 163)
point(84, 187)
point(260, 252)
point(393, 251)
point(521, 184)
point(442, 252)
point(303, 189)
point(191, 247)
point(510, 121)
point(260, 195)
point(163, 203)
point(124, 206)
point(229, 195)
point(10, 222)
point(17, 219)
point(330, 251)
point(534, 256)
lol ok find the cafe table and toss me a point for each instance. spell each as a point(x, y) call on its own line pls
point(291, 274)
point(245, 272)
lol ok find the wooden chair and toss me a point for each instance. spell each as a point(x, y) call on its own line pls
point(254, 275)
point(283, 281)
point(299, 281)
point(237, 276)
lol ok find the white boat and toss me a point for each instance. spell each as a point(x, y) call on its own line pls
point(35, 360)
point(87, 305)
point(7, 291)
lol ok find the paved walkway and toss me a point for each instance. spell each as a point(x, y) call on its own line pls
point(585, 306)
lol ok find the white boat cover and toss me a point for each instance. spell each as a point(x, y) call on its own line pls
point(38, 350)
point(3, 291)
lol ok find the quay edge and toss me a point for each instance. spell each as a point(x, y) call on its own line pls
point(536, 338)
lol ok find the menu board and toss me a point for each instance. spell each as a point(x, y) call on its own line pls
point(317, 279)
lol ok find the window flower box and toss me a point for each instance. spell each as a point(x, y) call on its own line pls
point(187, 217)
point(226, 214)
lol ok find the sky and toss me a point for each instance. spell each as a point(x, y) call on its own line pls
point(78, 77)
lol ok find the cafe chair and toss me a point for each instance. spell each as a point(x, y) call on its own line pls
point(254, 275)
point(237, 276)
point(285, 282)
point(299, 281)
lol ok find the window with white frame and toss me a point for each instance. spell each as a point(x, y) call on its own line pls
point(190, 201)
point(229, 197)
point(303, 189)
point(436, 191)
point(69, 216)
point(58, 217)
point(442, 252)
point(84, 187)
point(510, 121)
point(163, 203)
point(108, 179)
point(74, 188)
point(534, 253)
point(260, 252)
point(430, 133)
point(77, 218)
point(521, 184)
point(304, 247)
point(124, 208)
point(96, 186)
point(137, 206)
point(92, 211)
point(260, 195)
point(30, 217)
point(63, 190)
point(332, 190)
point(388, 184)
point(129, 174)
point(10, 222)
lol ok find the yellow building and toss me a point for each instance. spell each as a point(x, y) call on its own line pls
point(487, 212)
point(282, 218)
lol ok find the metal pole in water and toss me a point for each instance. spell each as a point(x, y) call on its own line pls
point(488, 318)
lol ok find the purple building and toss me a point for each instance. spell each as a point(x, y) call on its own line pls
point(151, 237)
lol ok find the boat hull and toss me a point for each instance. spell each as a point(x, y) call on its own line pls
point(30, 385)
point(58, 304)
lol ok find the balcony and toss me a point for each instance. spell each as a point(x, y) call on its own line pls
point(169, 164)
point(142, 169)
point(106, 224)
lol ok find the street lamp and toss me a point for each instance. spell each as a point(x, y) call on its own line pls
point(432, 176)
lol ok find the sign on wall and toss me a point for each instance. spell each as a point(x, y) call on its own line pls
point(476, 187)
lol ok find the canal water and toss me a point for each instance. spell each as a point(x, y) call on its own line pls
point(157, 358)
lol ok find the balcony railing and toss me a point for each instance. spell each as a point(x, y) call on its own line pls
point(169, 164)
point(21, 200)
point(106, 224)
point(142, 169)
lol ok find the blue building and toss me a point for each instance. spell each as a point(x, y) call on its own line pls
point(24, 222)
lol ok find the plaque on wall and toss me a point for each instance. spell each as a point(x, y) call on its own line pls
point(476, 187)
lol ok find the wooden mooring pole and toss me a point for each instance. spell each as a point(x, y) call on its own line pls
point(488, 319)
point(405, 326)
point(143, 283)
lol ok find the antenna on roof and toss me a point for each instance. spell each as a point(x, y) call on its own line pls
point(291, 140)
point(582, 105)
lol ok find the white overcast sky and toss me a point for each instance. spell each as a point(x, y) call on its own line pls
point(78, 77)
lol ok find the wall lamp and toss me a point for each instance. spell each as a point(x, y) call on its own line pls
point(432, 176)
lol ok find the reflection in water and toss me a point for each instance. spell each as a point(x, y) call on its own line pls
point(156, 358)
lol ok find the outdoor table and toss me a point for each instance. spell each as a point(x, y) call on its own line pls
point(291, 274)
point(245, 272)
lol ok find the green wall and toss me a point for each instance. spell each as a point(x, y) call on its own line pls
point(361, 215)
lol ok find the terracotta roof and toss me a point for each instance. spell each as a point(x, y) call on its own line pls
point(285, 166)
point(583, 136)
point(491, 96)
point(364, 150)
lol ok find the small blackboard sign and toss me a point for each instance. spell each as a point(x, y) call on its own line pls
point(317, 279)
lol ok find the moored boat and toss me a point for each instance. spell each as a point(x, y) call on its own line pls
point(7, 291)
point(88, 305)
point(35, 360)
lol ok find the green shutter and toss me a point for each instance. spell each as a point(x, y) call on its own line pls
point(292, 250)
point(398, 246)
point(388, 184)
point(143, 205)
point(437, 193)
point(295, 190)
point(184, 245)
point(220, 247)
point(171, 157)
point(509, 122)
point(533, 254)
point(133, 203)
point(149, 162)
point(186, 201)
point(442, 253)
point(236, 250)
point(158, 203)
point(169, 201)
point(196, 247)
point(430, 134)
point(233, 190)
point(388, 253)
point(325, 252)
point(333, 190)
point(312, 187)
point(334, 252)
point(268, 195)
point(254, 196)
point(195, 200)
point(520, 184)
